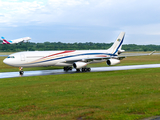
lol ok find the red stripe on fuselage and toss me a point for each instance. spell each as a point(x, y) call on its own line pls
point(101, 56)
point(67, 51)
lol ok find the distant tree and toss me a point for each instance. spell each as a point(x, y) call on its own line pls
point(72, 46)
point(1, 41)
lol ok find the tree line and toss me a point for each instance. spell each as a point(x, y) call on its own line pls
point(30, 46)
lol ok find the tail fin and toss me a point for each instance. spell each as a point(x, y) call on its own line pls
point(117, 44)
point(5, 41)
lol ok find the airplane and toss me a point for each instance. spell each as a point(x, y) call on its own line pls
point(78, 59)
point(15, 41)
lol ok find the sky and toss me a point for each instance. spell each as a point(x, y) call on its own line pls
point(70, 21)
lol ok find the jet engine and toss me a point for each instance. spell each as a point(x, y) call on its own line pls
point(78, 65)
point(112, 61)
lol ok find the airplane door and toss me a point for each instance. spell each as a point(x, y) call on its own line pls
point(22, 57)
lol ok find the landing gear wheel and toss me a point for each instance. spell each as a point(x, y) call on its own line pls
point(83, 69)
point(78, 70)
point(86, 69)
point(21, 72)
point(66, 69)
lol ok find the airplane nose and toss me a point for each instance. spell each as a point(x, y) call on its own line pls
point(5, 61)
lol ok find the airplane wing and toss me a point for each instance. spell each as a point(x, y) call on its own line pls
point(88, 60)
point(137, 54)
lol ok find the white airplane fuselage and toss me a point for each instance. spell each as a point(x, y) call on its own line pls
point(53, 58)
point(20, 40)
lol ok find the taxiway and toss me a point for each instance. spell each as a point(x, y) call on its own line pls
point(3, 55)
point(60, 71)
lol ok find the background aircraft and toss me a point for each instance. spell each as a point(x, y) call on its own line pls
point(15, 41)
point(76, 58)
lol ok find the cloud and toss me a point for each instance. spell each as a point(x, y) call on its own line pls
point(58, 11)
point(84, 12)
point(1, 15)
point(64, 3)
point(18, 12)
point(149, 29)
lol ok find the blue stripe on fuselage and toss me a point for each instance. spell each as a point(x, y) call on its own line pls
point(75, 56)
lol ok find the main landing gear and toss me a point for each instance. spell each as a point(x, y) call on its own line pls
point(84, 70)
point(21, 71)
point(66, 69)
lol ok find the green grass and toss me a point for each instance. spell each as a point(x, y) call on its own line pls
point(122, 95)
point(116, 95)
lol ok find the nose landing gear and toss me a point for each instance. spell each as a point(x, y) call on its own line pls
point(21, 70)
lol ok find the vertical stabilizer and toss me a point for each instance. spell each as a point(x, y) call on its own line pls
point(5, 41)
point(117, 44)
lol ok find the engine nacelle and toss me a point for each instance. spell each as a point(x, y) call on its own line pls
point(78, 65)
point(120, 51)
point(112, 61)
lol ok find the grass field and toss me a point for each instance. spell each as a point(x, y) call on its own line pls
point(116, 95)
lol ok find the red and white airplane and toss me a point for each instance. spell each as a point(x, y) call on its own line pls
point(15, 41)
point(77, 59)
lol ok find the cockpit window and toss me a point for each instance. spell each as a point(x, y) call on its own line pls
point(10, 56)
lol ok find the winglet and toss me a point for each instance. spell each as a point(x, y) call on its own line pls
point(3, 38)
point(152, 52)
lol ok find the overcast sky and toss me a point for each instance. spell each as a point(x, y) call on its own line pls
point(81, 20)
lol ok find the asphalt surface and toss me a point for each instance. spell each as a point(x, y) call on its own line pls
point(3, 55)
point(60, 71)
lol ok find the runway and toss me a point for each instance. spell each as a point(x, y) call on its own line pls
point(60, 71)
point(3, 55)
